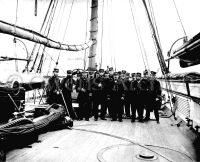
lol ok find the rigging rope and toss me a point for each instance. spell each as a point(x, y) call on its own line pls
point(60, 20)
point(141, 45)
point(49, 27)
point(65, 30)
point(154, 21)
point(86, 34)
point(113, 61)
point(16, 16)
point(54, 62)
point(157, 44)
point(145, 146)
point(102, 34)
point(180, 19)
point(42, 57)
point(49, 17)
point(34, 47)
point(48, 24)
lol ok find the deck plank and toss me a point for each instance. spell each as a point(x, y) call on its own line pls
point(79, 145)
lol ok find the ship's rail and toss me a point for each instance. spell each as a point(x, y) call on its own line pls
point(187, 98)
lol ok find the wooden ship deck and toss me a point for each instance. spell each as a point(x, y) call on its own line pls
point(99, 141)
point(108, 141)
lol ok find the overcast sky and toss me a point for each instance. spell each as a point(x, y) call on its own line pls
point(119, 40)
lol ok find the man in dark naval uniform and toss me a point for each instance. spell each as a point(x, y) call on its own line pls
point(52, 90)
point(99, 95)
point(127, 99)
point(155, 96)
point(117, 97)
point(144, 96)
point(67, 88)
point(135, 97)
point(107, 91)
point(83, 96)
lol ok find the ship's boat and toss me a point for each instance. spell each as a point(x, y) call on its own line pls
point(188, 53)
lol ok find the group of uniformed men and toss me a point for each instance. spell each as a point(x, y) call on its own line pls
point(118, 94)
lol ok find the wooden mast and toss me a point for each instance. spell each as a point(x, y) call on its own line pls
point(93, 35)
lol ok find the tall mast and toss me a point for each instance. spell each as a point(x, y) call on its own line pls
point(93, 35)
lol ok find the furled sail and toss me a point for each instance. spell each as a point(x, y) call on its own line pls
point(33, 36)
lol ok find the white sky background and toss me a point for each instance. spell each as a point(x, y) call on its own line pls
point(119, 36)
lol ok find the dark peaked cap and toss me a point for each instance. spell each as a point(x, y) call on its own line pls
point(153, 73)
point(133, 74)
point(138, 74)
point(55, 70)
point(145, 72)
point(110, 69)
point(123, 71)
point(101, 70)
point(106, 72)
point(115, 73)
point(69, 72)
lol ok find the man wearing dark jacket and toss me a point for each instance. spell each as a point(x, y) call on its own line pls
point(83, 96)
point(155, 96)
point(135, 97)
point(52, 90)
point(144, 86)
point(67, 88)
point(117, 97)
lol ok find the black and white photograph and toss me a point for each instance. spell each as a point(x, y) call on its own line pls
point(99, 81)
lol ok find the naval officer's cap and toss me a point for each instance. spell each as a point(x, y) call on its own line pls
point(153, 73)
point(56, 70)
point(69, 72)
point(133, 74)
point(123, 71)
point(145, 72)
point(138, 74)
point(119, 72)
point(127, 74)
point(101, 70)
point(110, 68)
point(106, 72)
